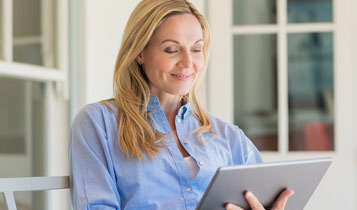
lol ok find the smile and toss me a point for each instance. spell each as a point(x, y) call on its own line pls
point(182, 77)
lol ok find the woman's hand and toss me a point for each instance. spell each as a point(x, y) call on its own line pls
point(256, 205)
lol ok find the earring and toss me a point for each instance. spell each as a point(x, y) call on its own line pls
point(140, 63)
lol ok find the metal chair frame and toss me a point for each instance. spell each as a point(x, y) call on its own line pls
point(10, 185)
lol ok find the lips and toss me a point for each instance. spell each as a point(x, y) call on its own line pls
point(181, 76)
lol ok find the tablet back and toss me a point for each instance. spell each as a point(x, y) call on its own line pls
point(266, 181)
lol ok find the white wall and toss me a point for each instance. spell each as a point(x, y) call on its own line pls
point(354, 98)
point(104, 23)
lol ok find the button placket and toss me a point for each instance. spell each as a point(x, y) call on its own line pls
point(179, 128)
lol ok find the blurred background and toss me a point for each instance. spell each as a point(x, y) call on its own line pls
point(285, 71)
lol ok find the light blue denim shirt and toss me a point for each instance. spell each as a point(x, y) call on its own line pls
point(102, 178)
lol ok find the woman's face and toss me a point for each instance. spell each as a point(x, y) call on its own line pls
point(173, 58)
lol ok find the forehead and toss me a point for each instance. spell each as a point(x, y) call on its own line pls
point(182, 28)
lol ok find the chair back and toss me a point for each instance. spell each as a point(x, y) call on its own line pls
point(10, 185)
point(317, 136)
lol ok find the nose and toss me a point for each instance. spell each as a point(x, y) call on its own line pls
point(185, 60)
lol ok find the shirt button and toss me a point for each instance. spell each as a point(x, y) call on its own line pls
point(178, 120)
point(188, 189)
point(185, 142)
point(201, 163)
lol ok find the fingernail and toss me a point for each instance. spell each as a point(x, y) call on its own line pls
point(291, 193)
point(248, 194)
point(229, 206)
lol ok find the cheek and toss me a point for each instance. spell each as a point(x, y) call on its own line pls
point(199, 62)
point(161, 63)
point(156, 69)
point(152, 65)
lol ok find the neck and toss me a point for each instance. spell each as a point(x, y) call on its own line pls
point(170, 105)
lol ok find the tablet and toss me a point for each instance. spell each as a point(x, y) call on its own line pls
point(266, 181)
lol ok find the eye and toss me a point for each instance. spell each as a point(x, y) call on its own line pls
point(197, 49)
point(171, 50)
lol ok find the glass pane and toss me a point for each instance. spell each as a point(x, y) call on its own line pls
point(12, 112)
point(249, 12)
point(28, 53)
point(34, 35)
point(305, 11)
point(22, 134)
point(311, 91)
point(255, 88)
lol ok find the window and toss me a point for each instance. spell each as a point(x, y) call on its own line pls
point(283, 64)
point(33, 78)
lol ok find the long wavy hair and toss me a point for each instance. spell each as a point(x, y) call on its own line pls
point(136, 133)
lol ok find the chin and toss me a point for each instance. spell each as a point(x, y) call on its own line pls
point(178, 92)
point(181, 91)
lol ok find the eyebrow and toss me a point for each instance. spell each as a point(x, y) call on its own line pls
point(177, 42)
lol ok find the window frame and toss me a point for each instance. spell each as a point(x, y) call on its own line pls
point(56, 94)
point(9, 68)
point(222, 58)
point(342, 173)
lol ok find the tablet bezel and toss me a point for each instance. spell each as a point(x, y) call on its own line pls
point(266, 181)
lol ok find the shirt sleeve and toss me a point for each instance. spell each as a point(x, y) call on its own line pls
point(243, 149)
point(92, 176)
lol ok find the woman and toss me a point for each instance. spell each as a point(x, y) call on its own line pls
point(154, 146)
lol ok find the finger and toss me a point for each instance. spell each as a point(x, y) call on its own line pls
point(231, 206)
point(253, 201)
point(283, 198)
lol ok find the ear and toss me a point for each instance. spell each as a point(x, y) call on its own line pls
point(140, 58)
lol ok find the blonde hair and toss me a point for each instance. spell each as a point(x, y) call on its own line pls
point(136, 134)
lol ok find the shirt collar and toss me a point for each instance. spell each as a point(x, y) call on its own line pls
point(183, 111)
point(154, 104)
